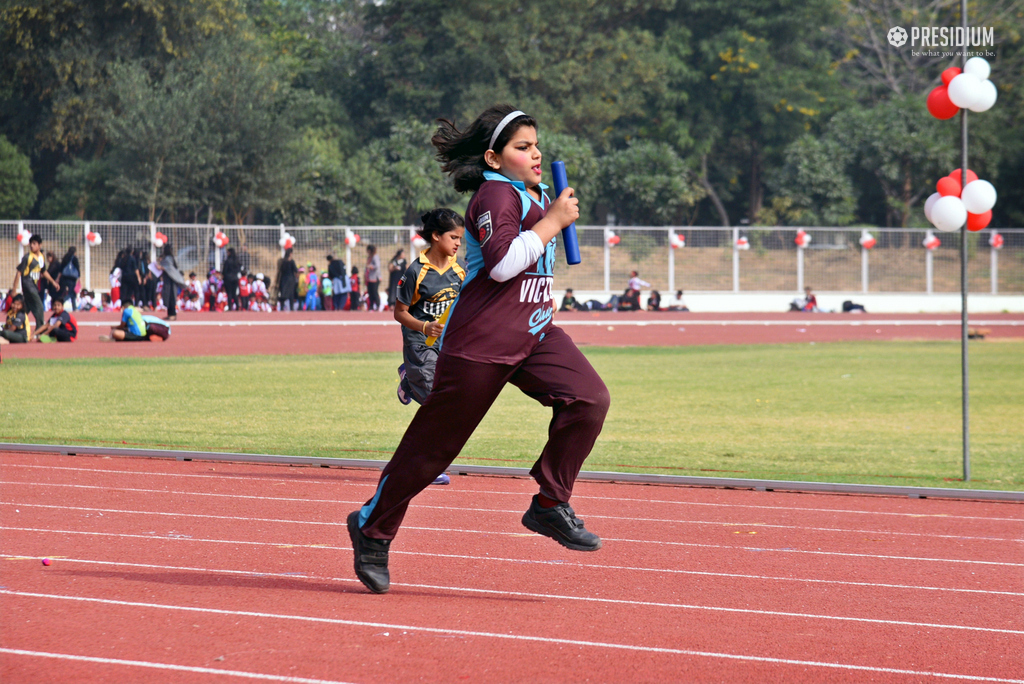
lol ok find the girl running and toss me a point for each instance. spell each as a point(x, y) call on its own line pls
point(425, 291)
point(499, 331)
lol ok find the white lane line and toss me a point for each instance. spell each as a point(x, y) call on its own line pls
point(715, 523)
point(177, 537)
point(520, 494)
point(795, 322)
point(511, 637)
point(555, 597)
point(167, 666)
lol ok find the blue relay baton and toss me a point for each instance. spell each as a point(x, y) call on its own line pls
point(572, 245)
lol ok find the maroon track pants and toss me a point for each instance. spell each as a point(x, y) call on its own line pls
point(555, 373)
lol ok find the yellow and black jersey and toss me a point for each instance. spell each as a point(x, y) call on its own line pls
point(428, 290)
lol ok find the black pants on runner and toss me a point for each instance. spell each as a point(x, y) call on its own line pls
point(555, 373)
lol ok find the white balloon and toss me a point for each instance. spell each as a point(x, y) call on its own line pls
point(979, 67)
point(987, 98)
point(964, 90)
point(979, 196)
point(929, 203)
point(949, 214)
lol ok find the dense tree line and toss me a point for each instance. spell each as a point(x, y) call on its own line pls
point(705, 112)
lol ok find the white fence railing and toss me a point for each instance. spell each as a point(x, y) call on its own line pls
point(833, 261)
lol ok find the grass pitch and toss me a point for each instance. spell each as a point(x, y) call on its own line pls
point(872, 412)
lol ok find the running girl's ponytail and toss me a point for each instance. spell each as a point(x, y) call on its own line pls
point(439, 222)
point(462, 153)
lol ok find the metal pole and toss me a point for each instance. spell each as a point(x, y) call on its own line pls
point(21, 254)
point(735, 260)
point(994, 269)
point(799, 269)
point(863, 270)
point(928, 270)
point(607, 264)
point(963, 270)
point(216, 254)
point(671, 263)
point(88, 261)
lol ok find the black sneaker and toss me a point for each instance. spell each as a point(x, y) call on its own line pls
point(371, 557)
point(561, 524)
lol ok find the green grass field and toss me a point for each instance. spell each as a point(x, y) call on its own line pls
point(870, 412)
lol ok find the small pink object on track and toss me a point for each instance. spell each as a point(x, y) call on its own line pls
point(46, 561)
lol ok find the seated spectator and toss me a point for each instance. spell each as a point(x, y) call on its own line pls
point(61, 326)
point(808, 303)
point(260, 294)
point(15, 325)
point(629, 301)
point(107, 304)
point(132, 327)
point(654, 301)
point(570, 303)
point(852, 307)
point(135, 327)
point(87, 301)
point(676, 303)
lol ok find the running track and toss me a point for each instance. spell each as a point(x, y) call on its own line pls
point(195, 572)
point(206, 334)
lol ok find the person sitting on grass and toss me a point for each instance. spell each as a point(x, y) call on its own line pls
point(15, 326)
point(61, 327)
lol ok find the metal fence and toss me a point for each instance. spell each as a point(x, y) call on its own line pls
point(833, 261)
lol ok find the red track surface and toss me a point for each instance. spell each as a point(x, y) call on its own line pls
point(246, 569)
point(204, 334)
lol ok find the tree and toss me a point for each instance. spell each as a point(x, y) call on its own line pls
point(812, 187)
point(650, 184)
point(17, 191)
point(902, 146)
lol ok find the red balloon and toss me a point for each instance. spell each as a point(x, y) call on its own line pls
point(948, 187)
point(940, 105)
point(949, 74)
point(976, 222)
point(971, 176)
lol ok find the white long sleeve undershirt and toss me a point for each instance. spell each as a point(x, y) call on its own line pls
point(522, 253)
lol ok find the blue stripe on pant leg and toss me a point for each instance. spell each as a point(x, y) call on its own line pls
point(365, 511)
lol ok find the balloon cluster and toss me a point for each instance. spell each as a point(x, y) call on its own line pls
point(995, 240)
point(803, 238)
point(23, 237)
point(968, 88)
point(419, 243)
point(93, 238)
point(159, 240)
point(867, 240)
point(612, 239)
point(931, 243)
point(677, 241)
point(742, 243)
point(287, 240)
point(220, 239)
point(351, 238)
point(950, 205)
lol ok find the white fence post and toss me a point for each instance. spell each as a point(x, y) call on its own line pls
point(671, 263)
point(216, 252)
point(88, 260)
point(799, 269)
point(735, 261)
point(280, 239)
point(413, 253)
point(928, 271)
point(607, 263)
point(21, 250)
point(994, 269)
point(864, 269)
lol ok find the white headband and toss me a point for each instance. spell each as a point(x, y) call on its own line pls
point(504, 122)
